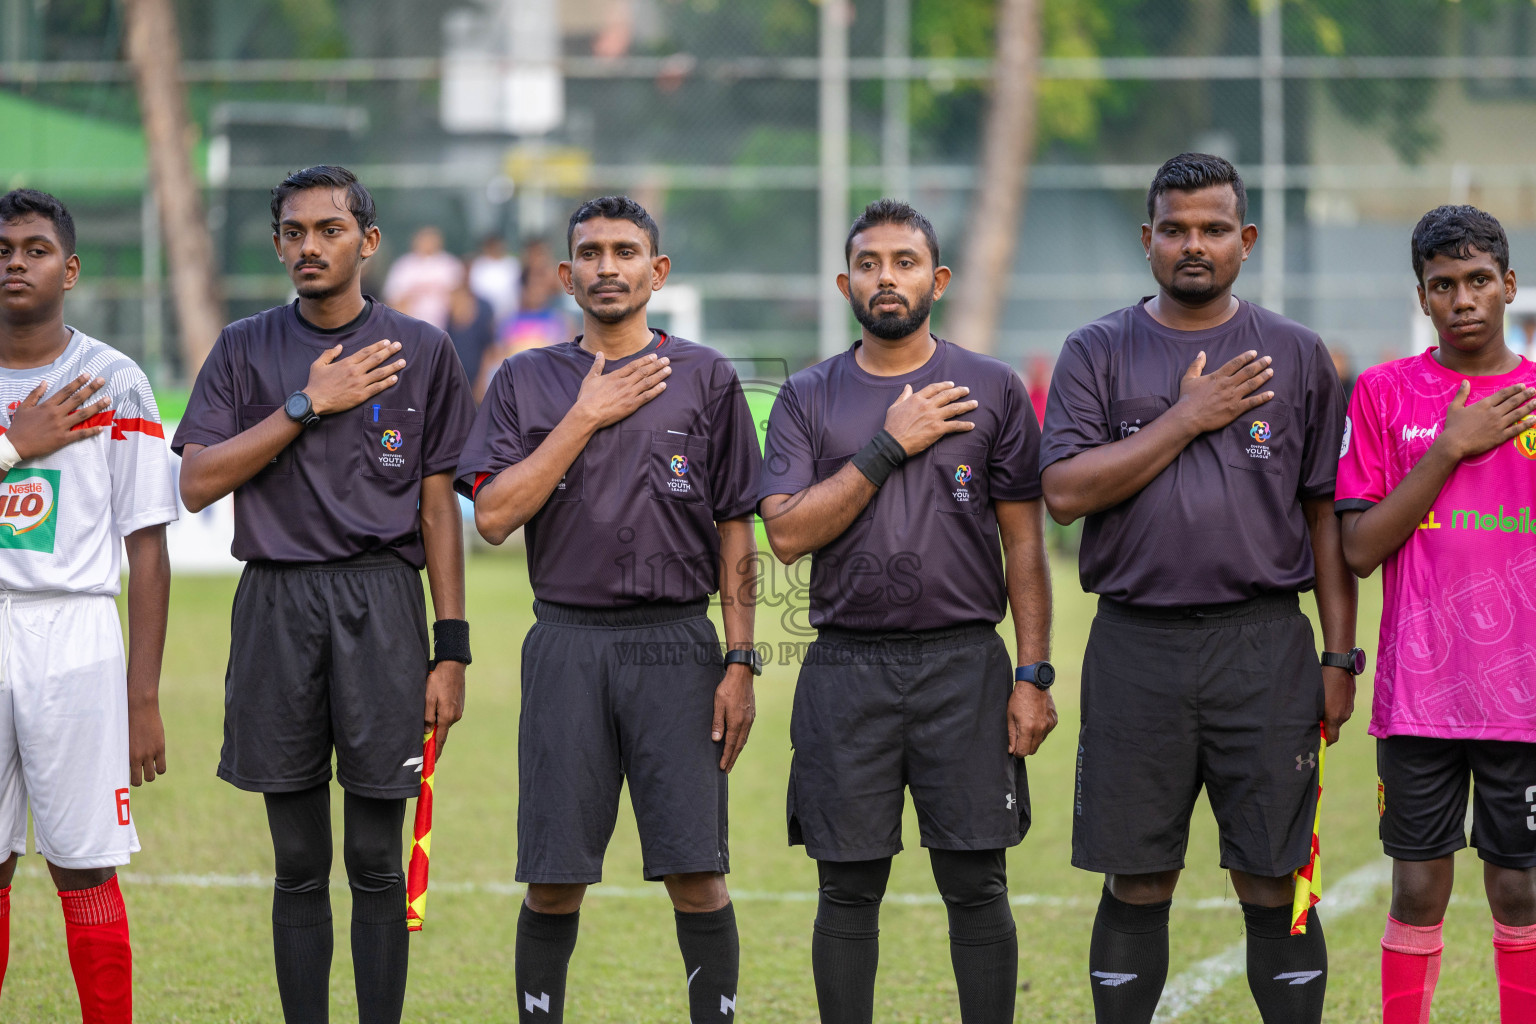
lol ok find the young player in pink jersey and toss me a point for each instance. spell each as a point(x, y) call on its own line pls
point(84, 473)
point(1437, 482)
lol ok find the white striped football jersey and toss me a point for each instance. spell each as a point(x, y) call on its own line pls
point(63, 516)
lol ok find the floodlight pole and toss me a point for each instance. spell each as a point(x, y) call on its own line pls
point(1272, 100)
point(832, 208)
point(896, 142)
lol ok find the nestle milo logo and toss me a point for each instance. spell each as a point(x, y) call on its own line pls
point(1471, 519)
point(29, 509)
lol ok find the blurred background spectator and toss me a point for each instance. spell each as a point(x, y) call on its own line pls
point(420, 282)
point(496, 276)
point(472, 326)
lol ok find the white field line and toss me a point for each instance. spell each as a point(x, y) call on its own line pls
point(1189, 988)
point(253, 881)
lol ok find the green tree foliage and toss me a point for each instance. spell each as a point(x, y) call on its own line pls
point(1366, 28)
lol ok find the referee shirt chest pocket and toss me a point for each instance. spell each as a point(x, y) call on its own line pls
point(677, 466)
point(569, 487)
point(391, 442)
point(282, 462)
point(1262, 439)
point(1129, 415)
point(959, 472)
point(825, 469)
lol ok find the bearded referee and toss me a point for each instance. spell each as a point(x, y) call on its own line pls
point(631, 457)
point(898, 463)
point(1198, 435)
point(336, 422)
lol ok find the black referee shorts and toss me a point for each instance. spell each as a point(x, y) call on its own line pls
point(878, 713)
point(323, 655)
point(611, 695)
point(1228, 697)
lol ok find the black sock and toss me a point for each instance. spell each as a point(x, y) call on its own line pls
point(381, 952)
point(302, 939)
point(1287, 974)
point(845, 944)
point(711, 960)
point(544, 946)
point(1128, 960)
point(984, 948)
point(381, 944)
point(983, 942)
point(301, 948)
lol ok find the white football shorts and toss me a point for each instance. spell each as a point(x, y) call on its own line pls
point(64, 728)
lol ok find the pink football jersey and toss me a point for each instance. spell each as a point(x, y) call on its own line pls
point(1458, 627)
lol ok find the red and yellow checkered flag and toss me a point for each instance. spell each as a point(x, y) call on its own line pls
point(1309, 877)
point(421, 843)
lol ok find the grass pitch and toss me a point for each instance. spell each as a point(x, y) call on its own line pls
point(199, 895)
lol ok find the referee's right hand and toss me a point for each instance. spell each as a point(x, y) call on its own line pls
point(918, 420)
point(607, 398)
point(336, 386)
point(1213, 400)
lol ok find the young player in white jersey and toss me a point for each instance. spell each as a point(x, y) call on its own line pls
point(84, 472)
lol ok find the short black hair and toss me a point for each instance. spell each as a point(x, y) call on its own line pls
point(359, 200)
point(1455, 231)
point(1189, 172)
point(23, 202)
point(892, 211)
point(614, 208)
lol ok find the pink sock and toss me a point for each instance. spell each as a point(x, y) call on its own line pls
point(1514, 960)
point(1410, 967)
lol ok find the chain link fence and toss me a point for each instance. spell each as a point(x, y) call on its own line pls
point(1348, 118)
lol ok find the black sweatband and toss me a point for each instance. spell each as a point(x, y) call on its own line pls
point(450, 641)
point(880, 457)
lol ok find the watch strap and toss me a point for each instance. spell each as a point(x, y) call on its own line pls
point(746, 656)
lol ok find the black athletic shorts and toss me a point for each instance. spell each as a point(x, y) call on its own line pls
point(610, 695)
point(879, 712)
point(1422, 796)
point(1228, 697)
point(330, 654)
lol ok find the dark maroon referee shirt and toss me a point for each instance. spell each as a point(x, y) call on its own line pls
point(1224, 521)
point(634, 518)
point(352, 483)
point(925, 553)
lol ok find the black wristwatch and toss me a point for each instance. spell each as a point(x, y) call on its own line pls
point(1353, 662)
point(301, 410)
point(748, 657)
point(1040, 675)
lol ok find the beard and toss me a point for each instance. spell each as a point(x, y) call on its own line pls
point(1197, 295)
point(610, 314)
point(890, 326)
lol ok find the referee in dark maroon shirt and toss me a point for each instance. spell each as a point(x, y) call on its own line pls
point(1198, 435)
point(898, 463)
point(333, 420)
point(631, 459)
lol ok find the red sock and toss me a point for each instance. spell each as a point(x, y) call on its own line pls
point(1514, 960)
point(5, 931)
point(96, 927)
point(1410, 967)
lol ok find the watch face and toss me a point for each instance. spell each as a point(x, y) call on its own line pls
point(1357, 660)
point(1045, 674)
point(297, 406)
